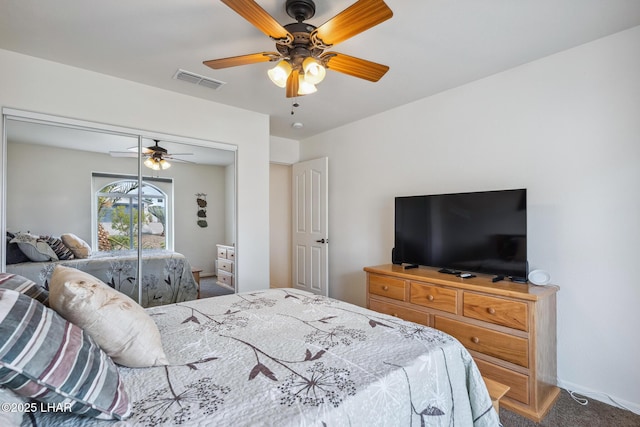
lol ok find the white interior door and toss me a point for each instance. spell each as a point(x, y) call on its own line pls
point(310, 226)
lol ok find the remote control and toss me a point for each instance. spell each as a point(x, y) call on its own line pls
point(448, 271)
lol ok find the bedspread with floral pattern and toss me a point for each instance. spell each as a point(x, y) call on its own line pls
point(284, 357)
point(166, 275)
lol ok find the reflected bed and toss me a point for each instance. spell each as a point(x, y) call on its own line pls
point(166, 275)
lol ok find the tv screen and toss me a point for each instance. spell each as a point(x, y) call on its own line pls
point(484, 232)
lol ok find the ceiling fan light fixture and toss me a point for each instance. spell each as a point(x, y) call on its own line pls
point(314, 71)
point(280, 73)
point(157, 164)
point(304, 87)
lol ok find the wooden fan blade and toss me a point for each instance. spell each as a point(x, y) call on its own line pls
point(173, 159)
point(355, 19)
point(293, 84)
point(234, 61)
point(353, 66)
point(252, 12)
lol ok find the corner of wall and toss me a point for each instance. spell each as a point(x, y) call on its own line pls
point(283, 150)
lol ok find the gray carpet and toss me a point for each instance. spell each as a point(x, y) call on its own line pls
point(208, 288)
point(569, 413)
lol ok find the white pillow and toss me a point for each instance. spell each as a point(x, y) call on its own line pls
point(35, 248)
point(79, 247)
point(120, 326)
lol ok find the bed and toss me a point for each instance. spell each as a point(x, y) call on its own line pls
point(166, 275)
point(285, 357)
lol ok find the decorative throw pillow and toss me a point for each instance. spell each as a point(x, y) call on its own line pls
point(36, 249)
point(61, 250)
point(120, 326)
point(44, 357)
point(79, 247)
point(24, 286)
point(14, 254)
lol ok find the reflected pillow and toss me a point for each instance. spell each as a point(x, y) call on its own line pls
point(14, 254)
point(35, 248)
point(61, 250)
point(24, 286)
point(79, 247)
point(53, 361)
point(120, 326)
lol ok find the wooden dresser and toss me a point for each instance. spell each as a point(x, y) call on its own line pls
point(225, 262)
point(509, 328)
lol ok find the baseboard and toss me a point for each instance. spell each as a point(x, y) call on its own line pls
point(602, 397)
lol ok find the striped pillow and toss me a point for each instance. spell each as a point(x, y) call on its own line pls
point(24, 286)
point(58, 247)
point(44, 357)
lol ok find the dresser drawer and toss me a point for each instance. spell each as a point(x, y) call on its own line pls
point(386, 286)
point(225, 278)
point(512, 314)
point(518, 382)
point(222, 252)
point(397, 311)
point(231, 254)
point(497, 344)
point(225, 265)
point(434, 297)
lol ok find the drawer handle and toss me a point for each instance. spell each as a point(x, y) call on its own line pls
point(491, 310)
point(475, 340)
point(430, 297)
point(385, 288)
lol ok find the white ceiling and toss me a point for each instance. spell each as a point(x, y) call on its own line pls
point(27, 132)
point(430, 45)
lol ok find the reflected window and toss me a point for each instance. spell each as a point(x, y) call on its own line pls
point(118, 209)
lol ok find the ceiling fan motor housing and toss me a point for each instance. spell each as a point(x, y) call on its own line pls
point(301, 10)
point(157, 149)
point(301, 47)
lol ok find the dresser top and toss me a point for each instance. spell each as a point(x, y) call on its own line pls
point(481, 283)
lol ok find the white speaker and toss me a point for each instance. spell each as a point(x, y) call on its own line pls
point(539, 277)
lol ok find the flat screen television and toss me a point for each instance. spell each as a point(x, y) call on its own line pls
point(483, 232)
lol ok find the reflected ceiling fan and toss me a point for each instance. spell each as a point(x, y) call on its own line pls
point(155, 156)
point(301, 56)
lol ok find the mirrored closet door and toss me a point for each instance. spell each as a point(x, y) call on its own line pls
point(126, 206)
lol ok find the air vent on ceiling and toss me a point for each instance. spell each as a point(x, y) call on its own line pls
point(196, 79)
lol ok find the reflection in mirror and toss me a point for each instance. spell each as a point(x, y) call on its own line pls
point(81, 186)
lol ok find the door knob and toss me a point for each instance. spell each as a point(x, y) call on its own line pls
point(322, 241)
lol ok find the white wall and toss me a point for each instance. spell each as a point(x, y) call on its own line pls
point(283, 151)
point(33, 84)
point(49, 193)
point(280, 225)
point(229, 204)
point(566, 127)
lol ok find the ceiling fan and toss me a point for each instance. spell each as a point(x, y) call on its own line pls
point(301, 56)
point(155, 156)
